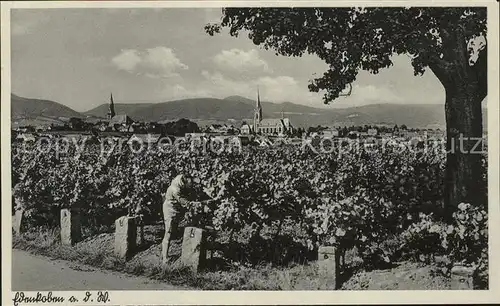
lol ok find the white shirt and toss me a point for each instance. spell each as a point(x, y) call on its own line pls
point(173, 199)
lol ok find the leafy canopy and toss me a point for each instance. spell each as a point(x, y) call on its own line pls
point(350, 39)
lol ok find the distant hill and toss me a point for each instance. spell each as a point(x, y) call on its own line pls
point(239, 108)
point(273, 109)
point(26, 108)
point(201, 108)
point(235, 108)
point(120, 108)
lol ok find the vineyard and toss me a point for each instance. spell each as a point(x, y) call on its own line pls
point(275, 204)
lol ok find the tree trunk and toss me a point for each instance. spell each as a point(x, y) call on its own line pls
point(465, 84)
point(464, 131)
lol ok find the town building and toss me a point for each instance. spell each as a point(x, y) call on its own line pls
point(196, 136)
point(386, 135)
point(434, 134)
point(26, 137)
point(121, 123)
point(101, 126)
point(221, 129)
point(330, 132)
point(372, 132)
point(245, 129)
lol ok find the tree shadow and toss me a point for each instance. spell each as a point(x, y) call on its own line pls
point(144, 246)
point(280, 251)
point(370, 263)
point(374, 263)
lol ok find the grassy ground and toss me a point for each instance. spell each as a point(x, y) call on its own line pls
point(97, 251)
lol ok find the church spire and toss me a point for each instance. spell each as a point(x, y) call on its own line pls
point(111, 112)
point(258, 106)
point(257, 113)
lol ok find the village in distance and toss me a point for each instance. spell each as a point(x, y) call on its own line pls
point(258, 131)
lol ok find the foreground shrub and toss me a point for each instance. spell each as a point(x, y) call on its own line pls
point(462, 241)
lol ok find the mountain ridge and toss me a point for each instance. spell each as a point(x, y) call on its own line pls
point(29, 107)
point(237, 108)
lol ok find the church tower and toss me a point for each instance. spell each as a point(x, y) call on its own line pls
point(257, 113)
point(111, 112)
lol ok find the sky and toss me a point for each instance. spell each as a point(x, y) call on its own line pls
point(77, 57)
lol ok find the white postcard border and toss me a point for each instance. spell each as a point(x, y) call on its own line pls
point(270, 297)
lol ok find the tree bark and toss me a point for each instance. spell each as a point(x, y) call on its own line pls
point(466, 87)
point(464, 131)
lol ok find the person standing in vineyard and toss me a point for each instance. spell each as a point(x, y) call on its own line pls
point(172, 208)
point(175, 206)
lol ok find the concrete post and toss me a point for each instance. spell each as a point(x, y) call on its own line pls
point(71, 229)
point(194, 250)
point(125, 237)
point(328, 264)
point(17, 221)
point(462, 278)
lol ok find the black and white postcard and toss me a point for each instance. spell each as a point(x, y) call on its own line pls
point(261, 152)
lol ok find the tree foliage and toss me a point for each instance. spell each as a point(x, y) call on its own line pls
point(181, 127)
point(353, 39)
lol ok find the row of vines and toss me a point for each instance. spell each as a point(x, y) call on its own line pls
point(346, 198)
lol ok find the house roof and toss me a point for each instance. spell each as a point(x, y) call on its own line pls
point(26, 136)
point(148, 138)
point(270, 122)
point(95, 120)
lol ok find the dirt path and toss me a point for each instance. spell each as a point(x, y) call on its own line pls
point(36, 273)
